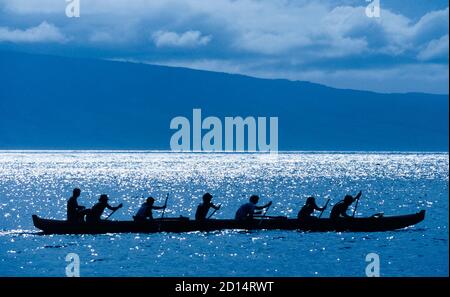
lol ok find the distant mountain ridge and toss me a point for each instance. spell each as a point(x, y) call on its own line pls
point(49, 102)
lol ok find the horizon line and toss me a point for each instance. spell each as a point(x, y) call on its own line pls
point(218, 152)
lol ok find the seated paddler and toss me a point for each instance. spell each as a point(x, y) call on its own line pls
point(75, 212)
point(308, 209)
point(248, 210)
point(145, 212)
point(203, 208)
point(95, 213)
point(340, 209)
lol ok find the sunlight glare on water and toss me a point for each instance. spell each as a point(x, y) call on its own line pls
point(393, 183)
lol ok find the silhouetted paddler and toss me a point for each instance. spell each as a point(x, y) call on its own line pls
point(203, 208)
point(75, 212)
point(248, 210)
point(145, 211)
point(340, 209)
point(309, 208)
point(95, 213)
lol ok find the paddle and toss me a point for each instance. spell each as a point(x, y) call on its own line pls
point(356, 206)
point(267, 209)
point(110, 214)
point(326, 204)
point(164, 210)
point(113, 212)
point(264, 215)
point(213, 212)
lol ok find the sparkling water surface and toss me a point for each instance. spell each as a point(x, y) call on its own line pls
point(394, 183)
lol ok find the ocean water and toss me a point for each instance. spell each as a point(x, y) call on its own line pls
point(393, 183)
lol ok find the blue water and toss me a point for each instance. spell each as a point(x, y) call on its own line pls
point(393, 183)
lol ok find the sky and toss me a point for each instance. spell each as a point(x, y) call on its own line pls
point(329, 42)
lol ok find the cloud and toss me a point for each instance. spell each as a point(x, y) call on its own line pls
point(186, 39)
point(437, 48)
point(391, 34)
point(44, 32)
point(308, 29)
point(326, 41)
point(432, 25)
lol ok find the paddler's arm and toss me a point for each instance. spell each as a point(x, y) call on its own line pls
point(215, 207)
point(159, 207)
point(114, 207)
point(264, 206)
point(319, 208)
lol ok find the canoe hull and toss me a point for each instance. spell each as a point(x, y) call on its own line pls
point(370, 224)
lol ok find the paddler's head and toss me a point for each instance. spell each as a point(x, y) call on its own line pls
point(310, 200)
point(207, 197)
point(150, 200)
point(76, 192)
point(103, 198)
point(348, 199)
point(254, 199)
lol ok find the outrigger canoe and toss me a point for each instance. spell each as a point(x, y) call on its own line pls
point(368, 224)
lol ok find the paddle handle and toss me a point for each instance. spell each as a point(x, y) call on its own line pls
point(111, 214)
point(356, 206)
point(267, 209)
point(165, 203)
point(213, 213)
point(326, 204)
point(264, 215)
